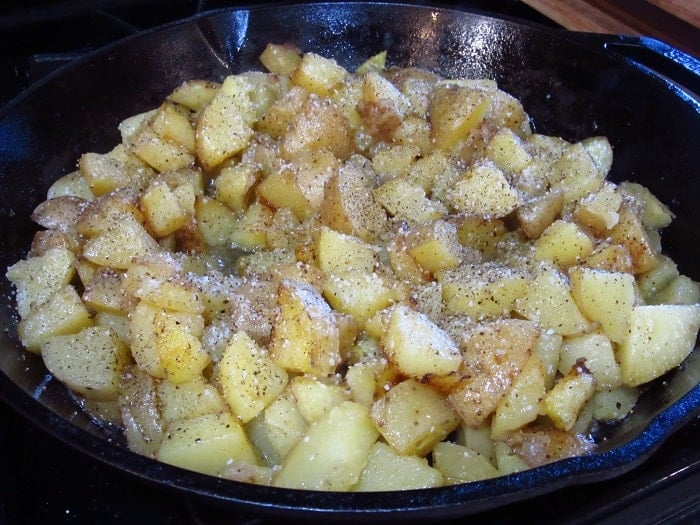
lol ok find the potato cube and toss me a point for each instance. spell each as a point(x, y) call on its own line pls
point(537, 214)
point(281, 190)
point(117, 246)
point(435, 246)
point(61, 314)
point(89, 362)
point(180, 351)
point(485, 191)
point(609, 257)
point(206, 444)
point(319, 125)
point(599, 211)
point(494, 353)
point(72, 184)
point(388, 470)
point(507, 151)
point(382, 107)
point(604, 297)
point(191, 399)
point(248, 378)
point(250, 232)
point(306, 336)
point(140, 411)
point(656, 214)
point(360, 295)
point(38, 278)
point(575, 174)
point(349, 207)
point(172, 125)
point(454, 111)
point(284, 425)
point(521, 405)
point(681, 290)
point(339, 254)
point(407, 202)
point(630, 233)
point(224, 126)
point(194, 94)
point(614, 404)
point(216, 221)
point(597, 351)
point(566, 399)
point(412, 417)
point(660, 338)
point(318, 74)
point(233, 185)
point(459, 464)
point(281, 59)
point(104, 292)
point(418, 347)
point(564, 243)
point(162, 209)
point(158, 153)
point(316, 398)
point(332, 454)
point(482, 290)
point(548, 301)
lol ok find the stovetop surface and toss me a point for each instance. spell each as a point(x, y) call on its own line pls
point(45, 481)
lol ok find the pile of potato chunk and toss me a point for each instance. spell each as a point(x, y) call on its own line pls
point(378, 280)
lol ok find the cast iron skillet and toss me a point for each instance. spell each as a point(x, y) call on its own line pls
point(570, 85)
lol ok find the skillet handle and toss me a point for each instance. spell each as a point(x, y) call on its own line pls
point(663, 59)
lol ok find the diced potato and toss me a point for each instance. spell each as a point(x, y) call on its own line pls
point(660, 338)
point(408, 202)
point(159, 153)
point(494, 354)
point(507, 460)
point(575, 173)
point(89, 362)
point(248, 378)
point(305, 337)
point(284, 425)
point(38, 278)
point(507, 151)
point(681, 290)
point(599, 211)
point(388, 470)
point(180, 351)
point(233, 185)
point(316, 398)
point(609, 257)
point(536, 215)
point(281, 59)
point(104, 292)
point(319, 125)
point(564, 243)
point(191, 399)
point(72, 184)
point(601, 152)
point(566, 399)
point(482, 290)
point(360, 295)
point(548, 301)
point(454, 111)
point(349, 207)
point(394, 161)
point(340, 254)
point(656, 279)
point(599, 355)
point(413, 417)
point(656, 214)
point(102, 173)
point(418, 347)
point(318, 74)
point(630, 233)
point(480, 233)
point(155, 279)
point(206, 444)
point(140, 411)
point(459, 464)
point(484, 191)
point(61, 314)
point(604, 297)
point(216, 221)
point(435, 246)
point(332, 454)
point(547, 349)
point(172, 125)
point(194, 94)
point(382, 107)
point(521, 405)
point(224, 126)
point(251, 229)
point(614, 404)
point(116, 247)
point(162, 209)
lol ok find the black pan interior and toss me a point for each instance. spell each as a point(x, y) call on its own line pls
point(570, 89)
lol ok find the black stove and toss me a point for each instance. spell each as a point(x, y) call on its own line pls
point(43, 480)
